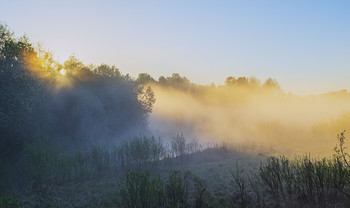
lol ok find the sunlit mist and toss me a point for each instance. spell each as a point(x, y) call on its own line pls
point(174, 104)
point(63, 72)
point(268, 120)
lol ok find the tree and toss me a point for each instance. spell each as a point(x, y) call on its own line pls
point(19, 89)
point(147, 99)
point(105, 70)
point(230, 81)
point(175, 81)
point(162, 80)
point(242, 82)
point(144, 78)
point(271, 84)
point(73, 63)
point(254, 82)
point(99, 104)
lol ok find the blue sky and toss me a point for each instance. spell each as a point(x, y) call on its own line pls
point(305, 45)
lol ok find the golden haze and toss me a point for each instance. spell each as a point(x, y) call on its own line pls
point(270, 121)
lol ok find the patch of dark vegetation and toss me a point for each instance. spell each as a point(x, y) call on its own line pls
point(84, 106)
point(155, 178)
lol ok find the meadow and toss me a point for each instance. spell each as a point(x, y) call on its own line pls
point(144, 172)
point(76, 135)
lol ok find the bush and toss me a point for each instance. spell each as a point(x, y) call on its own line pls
point(100, 158)
point(177, 190)
point(305, 181)
point(139, 190)
point(201, 196)
point(240, 196)
point(9, 201)
point(140, 151)
point(180, 147)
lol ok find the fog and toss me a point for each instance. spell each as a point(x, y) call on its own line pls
point(262, 119)
point(74, 110)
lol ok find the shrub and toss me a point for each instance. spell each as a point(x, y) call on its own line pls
point(202, 197)
point(100, 158)
point(177, 190)
point(240, 196)
point(139, 190)
point(140, 150)
point(180, 147)
point(9, 201)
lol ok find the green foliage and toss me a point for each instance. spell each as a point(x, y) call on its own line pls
point(271, 83)
point(304, 180)
point(107, 71)
point(340, 150)
point(87, 104)
point(42, 160)
point(9, 201)
point(176, 81)
point(239, 82)
point(147, 98)
point(100, 158)
point(18, 91)
point(139, 190)
point(73, 64)
point(144, 78)
point(279, 182)
point(181, 147)
point(243, 82)
point(140, 151)
point(202, 197)
point(177, 194)
point(178, 146)
point(103, 103)
point(45, 163)
point(240, 196)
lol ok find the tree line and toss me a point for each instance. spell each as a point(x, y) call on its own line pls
point(76, 104)
point(73, 104)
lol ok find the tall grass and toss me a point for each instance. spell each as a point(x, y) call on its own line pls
point(139, 189)
point(279, 181)
point(181, 147)
point(141, 151)
point(42, 162)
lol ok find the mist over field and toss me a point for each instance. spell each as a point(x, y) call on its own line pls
point(261, 117)
point(174, 104)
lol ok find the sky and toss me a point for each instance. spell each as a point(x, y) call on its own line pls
point(304, 45)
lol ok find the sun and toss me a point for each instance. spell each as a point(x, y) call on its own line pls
point(63, 71)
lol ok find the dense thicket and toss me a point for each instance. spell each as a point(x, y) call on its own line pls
point(72, 104)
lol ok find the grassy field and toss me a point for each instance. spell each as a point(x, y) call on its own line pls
point(143, 172)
